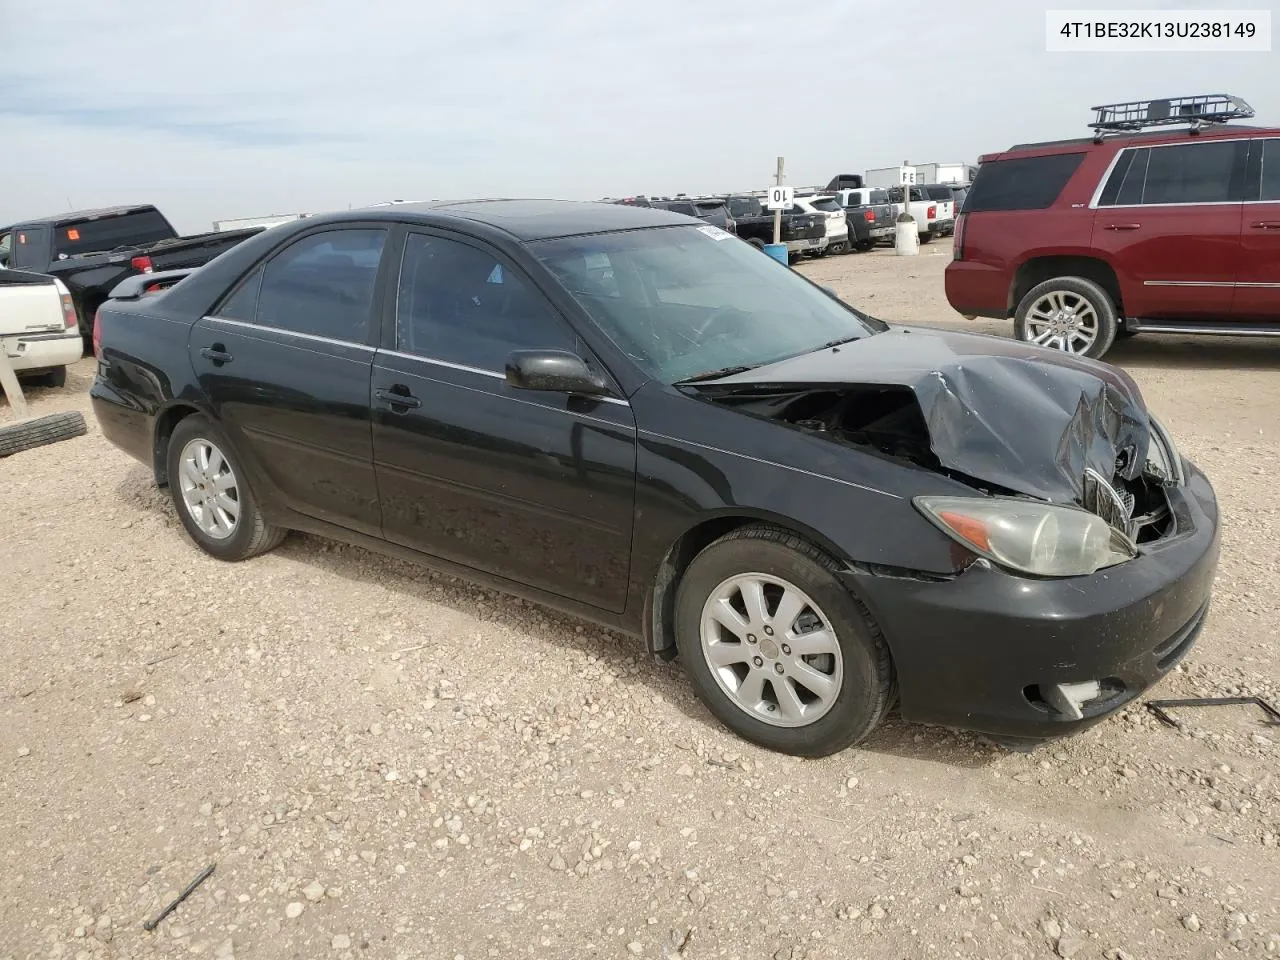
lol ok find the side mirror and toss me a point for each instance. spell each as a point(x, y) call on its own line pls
point(555, 370)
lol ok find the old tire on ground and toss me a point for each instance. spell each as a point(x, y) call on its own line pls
point(14, 438)
point(777, 648)
point(212, 495)
point(1070, 314)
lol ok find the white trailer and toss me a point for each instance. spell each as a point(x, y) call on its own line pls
point(884, 177)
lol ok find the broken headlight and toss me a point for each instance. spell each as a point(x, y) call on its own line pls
point(1163, 458)
point(1043, 539)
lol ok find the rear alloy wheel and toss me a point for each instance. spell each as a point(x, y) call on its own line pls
point(777, 648)
point(211, 494)
point(1070, 314)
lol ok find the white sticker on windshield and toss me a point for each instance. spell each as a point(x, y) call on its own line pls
point(715, 233)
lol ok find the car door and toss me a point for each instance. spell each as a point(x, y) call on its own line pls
point(1168, 220)
point(1258, 284)
point(537, 487)
point(284, 361)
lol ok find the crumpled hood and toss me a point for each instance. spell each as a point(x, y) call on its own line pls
point(1021, 417)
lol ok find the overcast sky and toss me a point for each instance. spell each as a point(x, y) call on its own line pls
point(248, 107)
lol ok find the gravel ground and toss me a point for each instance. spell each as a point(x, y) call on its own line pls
point(384, 762)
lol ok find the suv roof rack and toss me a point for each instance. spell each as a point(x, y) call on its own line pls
point(1196, 111)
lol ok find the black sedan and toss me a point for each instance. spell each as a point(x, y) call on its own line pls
point(634, 417)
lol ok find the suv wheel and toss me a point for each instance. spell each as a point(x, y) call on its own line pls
point(777, 648)
point(1070, 314)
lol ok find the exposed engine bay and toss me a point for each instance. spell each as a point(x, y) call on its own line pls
point(888, 420)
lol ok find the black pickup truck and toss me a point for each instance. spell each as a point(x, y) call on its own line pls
point(801, 232)
point(91, 251)
point(870, 216)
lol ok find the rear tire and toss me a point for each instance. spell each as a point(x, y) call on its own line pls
point(757, 243)
point(212, 495)
point(838, 249)
point(926, 237)
point(1085, 298)
point(863, 685)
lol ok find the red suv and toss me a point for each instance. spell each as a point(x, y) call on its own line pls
point(1164, 231)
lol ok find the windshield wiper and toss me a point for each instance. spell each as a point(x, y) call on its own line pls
point(841, 340)
point(716, 374)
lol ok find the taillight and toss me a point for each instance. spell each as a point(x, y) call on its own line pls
point(869, 216)
point(142, 264)
point(933, 213)
point(97, 334)
point(68, 311)
point(957, 249)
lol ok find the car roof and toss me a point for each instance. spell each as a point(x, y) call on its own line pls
point(523, 219)
point(1117, 141)
point(72, 216)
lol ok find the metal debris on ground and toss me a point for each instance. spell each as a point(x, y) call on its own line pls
point(1158, 707)
point(191, 887)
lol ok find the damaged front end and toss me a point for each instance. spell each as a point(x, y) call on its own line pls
point(1005, 419)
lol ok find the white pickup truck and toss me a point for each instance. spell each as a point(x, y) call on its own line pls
point(38, 329)
point(933, 217)
point(837, 225)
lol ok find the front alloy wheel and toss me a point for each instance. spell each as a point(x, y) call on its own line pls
point(777, 647)
point(771, 649)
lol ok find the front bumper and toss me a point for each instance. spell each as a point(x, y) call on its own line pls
point(988, 650)
point(43, 351)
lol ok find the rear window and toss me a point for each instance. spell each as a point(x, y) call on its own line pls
point(827, 205)
point(1024, 183)
point(938, 193)
point(879, 196)
point(746, 207)
point(98, 236)
point(710, 206)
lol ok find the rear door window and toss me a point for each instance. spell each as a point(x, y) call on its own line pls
point(321, 285)
point(1184, 173)
point(1022, 183)
point(1190, 173)
point(1270, 169)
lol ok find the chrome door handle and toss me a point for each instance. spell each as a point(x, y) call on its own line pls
point(1123, 226)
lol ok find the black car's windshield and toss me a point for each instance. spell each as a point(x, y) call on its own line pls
point(684, 301)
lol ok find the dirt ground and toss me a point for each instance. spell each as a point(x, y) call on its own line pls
point(387, 763)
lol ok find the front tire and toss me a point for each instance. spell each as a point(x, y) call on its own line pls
point(212, 496)
point(777, 648)
point(1070, 314)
